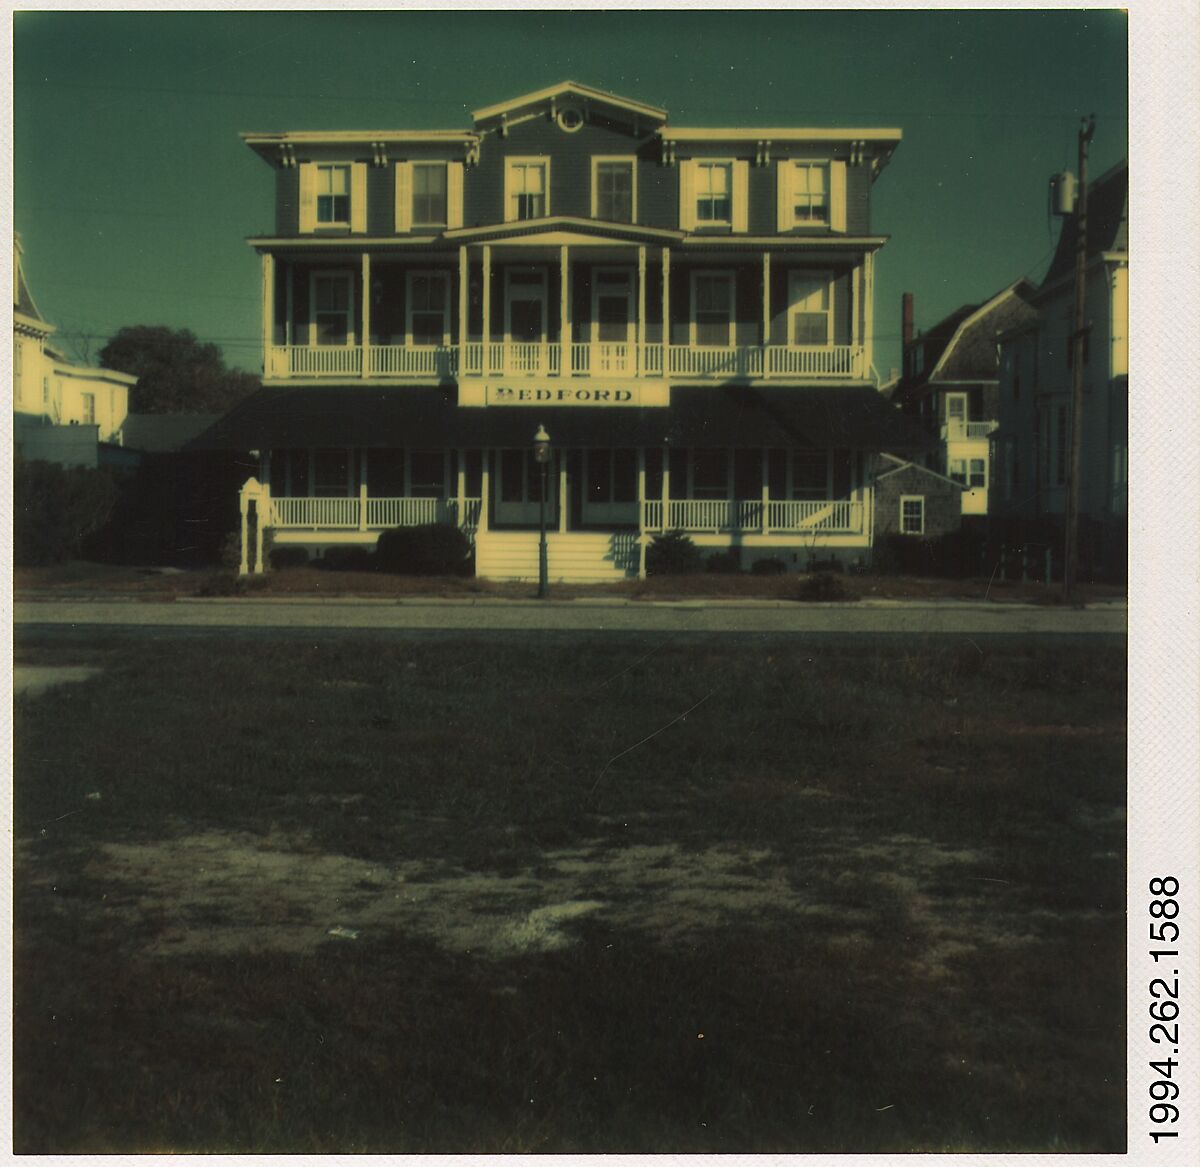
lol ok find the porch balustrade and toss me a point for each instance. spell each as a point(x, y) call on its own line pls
point(722, 516)
point(601, 359)
point(381, 513)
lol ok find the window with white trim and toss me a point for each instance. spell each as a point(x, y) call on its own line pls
point(332, 308)
point(527, 189)
point(333, 195)
point(429, 194)
point(712, 308)
point(714, 193)
point(977, 472)
point(810, 320)
point(810, 193)
point(958, 470)
point(614, 190)
point(428, 303)
point(912, 514)
point(88, 407)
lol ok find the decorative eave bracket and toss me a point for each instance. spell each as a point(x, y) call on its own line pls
point(379, 154)
point(668, 152)
point(287, 156)
point(762, 156)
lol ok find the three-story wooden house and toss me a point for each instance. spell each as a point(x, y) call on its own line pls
point(687, 312)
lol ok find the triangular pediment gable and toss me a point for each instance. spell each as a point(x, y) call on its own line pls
point(567, 95)
point(564, 230)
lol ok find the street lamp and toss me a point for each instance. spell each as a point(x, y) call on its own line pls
point(541, 455)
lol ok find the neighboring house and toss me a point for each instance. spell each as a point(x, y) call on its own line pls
point(687, 311)
point(911, 499)
point(1033, 439)
point(62, 412)
point(951, 384)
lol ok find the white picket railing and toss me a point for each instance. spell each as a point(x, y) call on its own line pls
point(602, 359)
point(316, 512)
point(382, 513)
point(824, 516)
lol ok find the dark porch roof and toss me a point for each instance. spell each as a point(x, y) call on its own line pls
point(353, 415)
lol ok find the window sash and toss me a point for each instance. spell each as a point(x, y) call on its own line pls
point(614, 191)
point(429, 193)
point(527, 190)
point(333, 195)
point(713, 192)
point(912, 516)
point(810, 192)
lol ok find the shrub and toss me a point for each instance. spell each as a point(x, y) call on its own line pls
point(432, 549)
point(824, 587)
point(724, 563)
point(769, 566)
point(282, 558)
point(346, 559)
point(673, 553)
point(55, 509)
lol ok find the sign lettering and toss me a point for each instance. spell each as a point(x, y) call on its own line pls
point(561, 395)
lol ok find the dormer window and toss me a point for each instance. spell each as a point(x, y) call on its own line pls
point(527, 186)
point(333, 196)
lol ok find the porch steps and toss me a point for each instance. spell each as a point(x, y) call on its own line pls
point(572, 557)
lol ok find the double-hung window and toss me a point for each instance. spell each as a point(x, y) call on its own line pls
point(977, 472)
point(527, 189)
point(332, 309)
point(333, 196)
point(428, 308)
point(712, 315)
point(613, 187)
point(811, 193)
point(809, 317)
point(89, 408)
point(714, 194)
point(429, 194)
point(912, 514)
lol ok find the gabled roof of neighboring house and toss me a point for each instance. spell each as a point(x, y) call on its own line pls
point(1107, 224)
point(899, 464)
point(25, 309)
point(160, 433)
point(962, 346)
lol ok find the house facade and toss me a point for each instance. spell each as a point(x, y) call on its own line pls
point(950, 384)
point(62, 412)
point(687, 312)
point(1032, 441)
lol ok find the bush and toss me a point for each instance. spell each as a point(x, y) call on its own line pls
point(769, 566)
point(724, 563)
point(346, 559)
point(673, 553)
point(55, 509)
point(432, 549)
point(282, 558)
point(823, 588)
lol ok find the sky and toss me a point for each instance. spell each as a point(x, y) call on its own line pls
point(133, 194)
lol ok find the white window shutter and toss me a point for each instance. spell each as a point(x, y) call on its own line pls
point(784, 211)
point(687, 196)
point(837, 196)
point(308, 197)
point(403, 197)
point(358, 198)
point(741, 195)
point(454, 195)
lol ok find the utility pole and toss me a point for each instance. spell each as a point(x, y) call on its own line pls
point(1077, 340)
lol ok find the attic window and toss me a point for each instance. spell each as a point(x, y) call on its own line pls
point(570, 118)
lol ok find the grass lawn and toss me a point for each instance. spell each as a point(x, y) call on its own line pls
point(464, 895)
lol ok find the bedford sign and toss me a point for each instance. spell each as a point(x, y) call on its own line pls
point(562, 395)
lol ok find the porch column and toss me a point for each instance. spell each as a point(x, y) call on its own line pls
point(484, 457)
point(290, 289)
point(268, 311)
point(261, 506)
point(487, 311)
point(868, 310)
point(365, 339)
point(564, 313)
point(639, 360)
point(464, 277)
point(666, 315)
point(855, 304)
point(766, 331)
point(562, 488)
point(362, 506)
point(641, 505)
point(766, 489)
point(461, 457)
point(244, 507)
point(666, 485)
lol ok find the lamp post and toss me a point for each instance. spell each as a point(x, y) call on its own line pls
point(541, 455)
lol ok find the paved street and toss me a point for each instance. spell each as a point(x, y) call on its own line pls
point(961, 618)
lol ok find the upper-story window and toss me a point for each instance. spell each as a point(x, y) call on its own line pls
point(809, 317)
point(527, 189)
point(712, 314)
point(811, 193)
point(614, 197)
point(428, 308)
point(714, 194)
point(428, 193)
point(333, 196)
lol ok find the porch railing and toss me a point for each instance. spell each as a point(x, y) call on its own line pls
point(718, 516)
point(956, 430)
point(602, 359)
point(380, 514)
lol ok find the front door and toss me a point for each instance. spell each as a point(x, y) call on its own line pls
point(525, 346)
point(518, 489)
point(612, 322)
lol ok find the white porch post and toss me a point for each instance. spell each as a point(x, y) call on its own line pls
point(362, 506)
point(487, 310)
point(365, 339)
point(562, 491)
point(268, 311)
point(868, 309)
point(461, 458)
point(666, 486)
point(260, 515)
point(244, 505)
point(564, 312)
point(766, 489)
point(289, 324)
point(766, 331)
point(484, 490)
point(666, 319)
point(640, 363)
point(855, 305)
point(464, 275)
